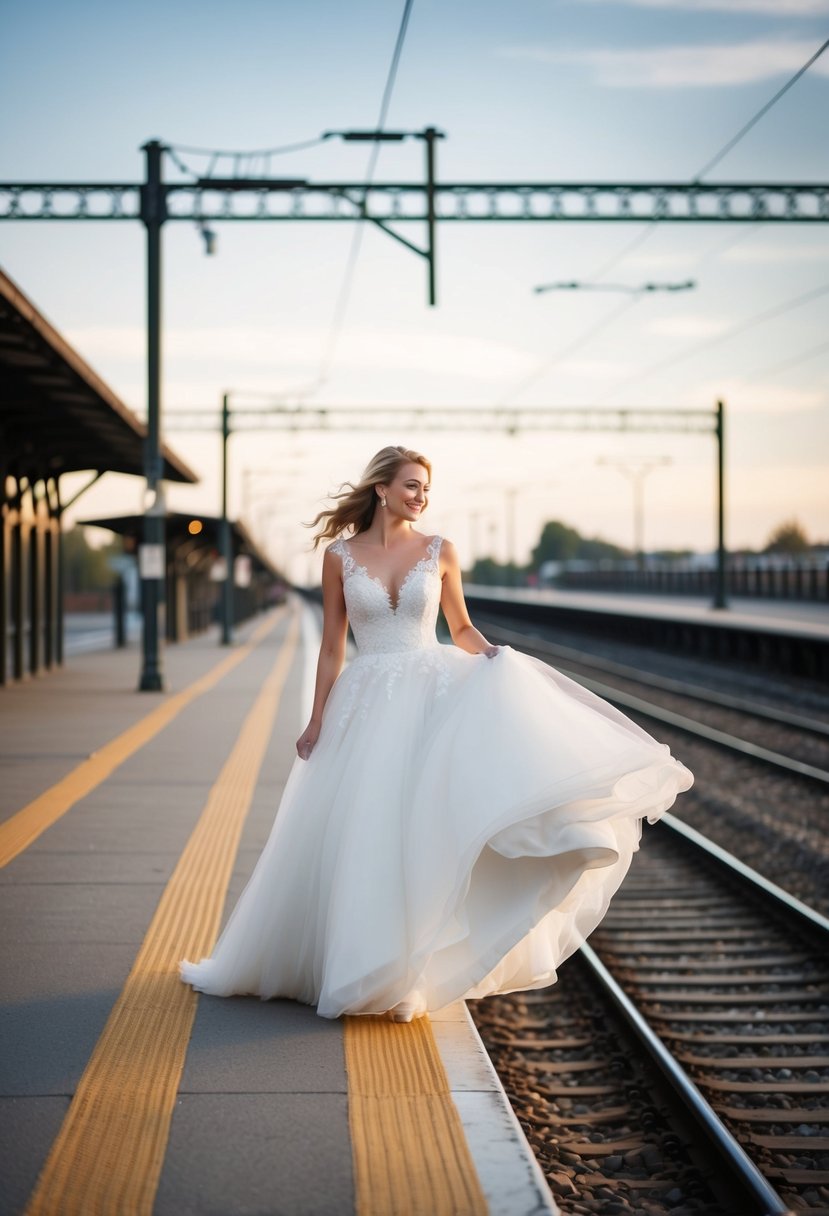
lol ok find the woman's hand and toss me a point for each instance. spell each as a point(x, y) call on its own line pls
point(306, 741)
point(491, 651)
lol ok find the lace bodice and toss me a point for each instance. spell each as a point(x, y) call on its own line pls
point(380, 627)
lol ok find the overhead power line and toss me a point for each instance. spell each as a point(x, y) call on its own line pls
point(577, 344)
point(344, 295)
point(277, 151)
point(805, 356)
point(644, 235)
point(647, 232)
point(741, 327)
point(764, 110)
point(243, 162)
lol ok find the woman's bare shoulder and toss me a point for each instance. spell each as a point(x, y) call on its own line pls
point(334, 552)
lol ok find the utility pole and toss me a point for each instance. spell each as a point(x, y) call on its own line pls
point(510, 494)
point(430, 135)
point(721, 584)
point(227, 539)
point(152, 554)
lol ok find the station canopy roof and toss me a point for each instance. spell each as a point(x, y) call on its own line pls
point(180, 527)
point(56, 414)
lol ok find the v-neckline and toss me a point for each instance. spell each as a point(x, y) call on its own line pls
point(376, 579)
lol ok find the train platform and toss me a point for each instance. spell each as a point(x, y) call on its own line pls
point(129, 824)
point(785, 636)
point(794, 617)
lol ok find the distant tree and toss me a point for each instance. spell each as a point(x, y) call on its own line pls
point(85, 568)
point(595, 550)
point(788, 537)
point(556, 543)
point(485, 571)
point(672, 554)
point(559, 542)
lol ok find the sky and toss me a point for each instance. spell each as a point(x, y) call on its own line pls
point(535, 91)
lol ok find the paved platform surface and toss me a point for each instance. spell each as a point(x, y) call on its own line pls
point(261, 1116)
point(781, 616)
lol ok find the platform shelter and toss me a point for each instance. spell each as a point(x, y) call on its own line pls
point(57, 416)
point(193, 568)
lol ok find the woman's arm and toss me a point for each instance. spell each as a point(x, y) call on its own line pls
point(332, 648)
point(464, 634)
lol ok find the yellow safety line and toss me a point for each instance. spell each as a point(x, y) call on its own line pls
point(108, 1154)
point(411, 1156)
point(19, 831)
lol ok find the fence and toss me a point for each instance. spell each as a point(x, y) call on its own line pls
point(772, 580)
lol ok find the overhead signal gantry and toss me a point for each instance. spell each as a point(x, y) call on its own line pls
point(243, 197)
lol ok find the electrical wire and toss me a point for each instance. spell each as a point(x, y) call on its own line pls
point(764, 110)
point(617, 257)
point(741, 327)
point(347, 284)
point(277, 151)
point(651, 227)
point(649, 230)
point(795, 361)
point(243, 163)
point(582, 340)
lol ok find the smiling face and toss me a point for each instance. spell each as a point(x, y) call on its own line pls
point(407, 495)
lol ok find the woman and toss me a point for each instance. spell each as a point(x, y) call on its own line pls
point(458, 817)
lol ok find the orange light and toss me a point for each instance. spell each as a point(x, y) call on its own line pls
point(194, 527)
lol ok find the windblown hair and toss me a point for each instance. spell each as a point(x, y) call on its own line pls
point(356, 504)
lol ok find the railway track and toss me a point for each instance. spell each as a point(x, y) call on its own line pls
point(735, 981)
point(696, 692)
point(722, 983)
point(756, 794)
point(720, 980)
point(739, 725)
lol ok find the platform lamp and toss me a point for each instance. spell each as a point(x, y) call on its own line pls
point(636, 474)
point(642, 289)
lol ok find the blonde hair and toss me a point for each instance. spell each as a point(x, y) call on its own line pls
point(356, 504)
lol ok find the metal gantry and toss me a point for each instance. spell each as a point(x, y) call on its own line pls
point(512, 420)
point(206, 199)
point(350, 419)
point(286, 199)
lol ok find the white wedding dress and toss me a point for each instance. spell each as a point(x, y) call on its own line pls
point(458, 830)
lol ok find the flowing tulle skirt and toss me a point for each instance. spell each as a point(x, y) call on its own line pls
point(458, 830)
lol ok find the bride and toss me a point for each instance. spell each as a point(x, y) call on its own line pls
point(457, 818)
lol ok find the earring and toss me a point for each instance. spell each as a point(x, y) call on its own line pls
point(382, 502)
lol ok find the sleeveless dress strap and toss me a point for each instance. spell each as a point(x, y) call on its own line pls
point(433, 549)
point(340, 547)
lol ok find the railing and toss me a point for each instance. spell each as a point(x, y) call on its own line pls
point(795, 581)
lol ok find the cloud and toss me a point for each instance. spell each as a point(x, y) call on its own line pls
point(689, 326)
point(593, 369)
point(745, 396)
point(292, 354)
point(814, 253)
point(672, 67)
point(771, 8)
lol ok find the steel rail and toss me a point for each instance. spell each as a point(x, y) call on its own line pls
point(743, 1174)
point(752, 878)
point(710, 734)
point(742, 1171)
point(695, 692)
